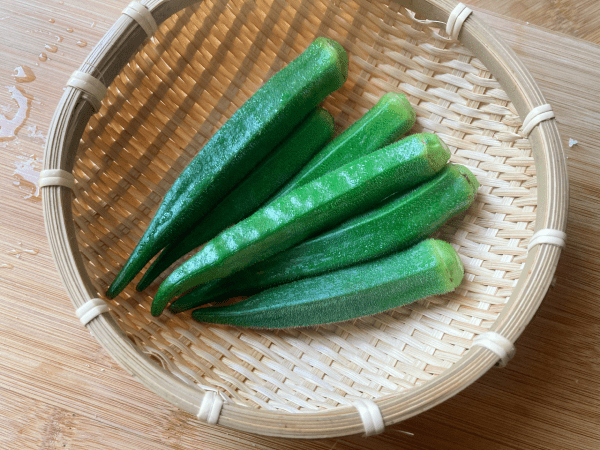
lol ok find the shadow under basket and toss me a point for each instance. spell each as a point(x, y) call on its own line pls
point(172, 85)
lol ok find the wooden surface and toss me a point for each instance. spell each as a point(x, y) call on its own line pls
point(59, 389)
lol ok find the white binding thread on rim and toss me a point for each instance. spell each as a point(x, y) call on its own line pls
point(548, 236)
point(498, 344)
point(142, 16)
point(90, 85)
point(91, 309)
point(56, 177)
point(455, 22)
point(370, 415)
point(535, 116)
point(210, 408)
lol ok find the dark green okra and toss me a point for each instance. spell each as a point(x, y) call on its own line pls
point(318, 205)
point(431, 267)
point(391, 117)
point(397, 223)
point(245, 139)
point(286, 160)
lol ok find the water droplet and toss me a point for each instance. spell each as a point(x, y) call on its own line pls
point(51, 20)
point(60, 2)
point(27, 172)
point(43, 57)
point(6, 266)
point(18, 253)
point(81, 43)
point(8, 128)
point(33, 132)
point(51, 48)
point(93, 24)
point(59, 38)
point(23, 74)
point(69, 30)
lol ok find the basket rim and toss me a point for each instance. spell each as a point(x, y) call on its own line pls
point(67, 126)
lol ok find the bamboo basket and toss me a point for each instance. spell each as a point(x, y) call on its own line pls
point(168, 93)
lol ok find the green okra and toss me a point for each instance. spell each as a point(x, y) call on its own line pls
point(431, 267)
point(397, 223)
point(287, 159)
point(245, 139)
point(391, 117)
point(322, 203)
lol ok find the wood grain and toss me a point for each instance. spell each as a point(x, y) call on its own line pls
point(577, 18)
point(51, 368)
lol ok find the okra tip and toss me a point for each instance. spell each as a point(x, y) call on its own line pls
point(338, 53)
point(173, 286)
point(321, 114)
point(161, 299)
point(398, 103)
point(471, 179)
point(146, 280)
point(120, 282)
point(436, 151)
point(152, 273)
point(451, 267)
point(143, 252)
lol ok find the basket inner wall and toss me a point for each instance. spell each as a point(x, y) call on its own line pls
point(200, 66)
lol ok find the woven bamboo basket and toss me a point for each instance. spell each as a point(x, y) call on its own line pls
point(171, 85)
